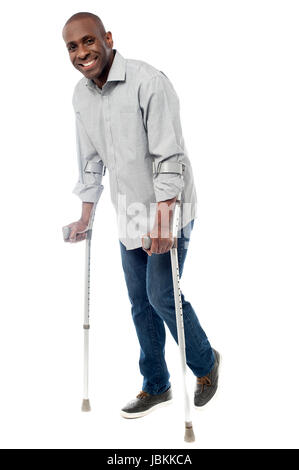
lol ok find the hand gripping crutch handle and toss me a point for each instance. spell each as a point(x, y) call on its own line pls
point(147, 242)
point(66, 231)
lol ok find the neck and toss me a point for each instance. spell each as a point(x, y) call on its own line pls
point(102, 79)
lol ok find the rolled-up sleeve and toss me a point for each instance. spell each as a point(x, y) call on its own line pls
point(161, 117)
point(88, 186)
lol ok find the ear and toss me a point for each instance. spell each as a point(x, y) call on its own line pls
point(109, 39)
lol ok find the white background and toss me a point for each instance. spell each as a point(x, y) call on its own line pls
point(234, 65)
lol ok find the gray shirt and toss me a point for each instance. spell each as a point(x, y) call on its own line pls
point(129, 123)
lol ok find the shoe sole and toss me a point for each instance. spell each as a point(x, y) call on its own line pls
point(126, 415)
point(219, 369)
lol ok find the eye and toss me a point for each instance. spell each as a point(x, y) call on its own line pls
point(90, 41)
point(72, 47)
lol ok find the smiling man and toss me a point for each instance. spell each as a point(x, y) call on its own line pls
point(127, 119)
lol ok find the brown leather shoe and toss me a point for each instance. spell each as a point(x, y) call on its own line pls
point(206, 386)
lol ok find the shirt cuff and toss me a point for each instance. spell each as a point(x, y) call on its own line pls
point(167, 186)
point(88, 192)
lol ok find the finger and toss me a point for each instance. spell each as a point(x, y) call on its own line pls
point(164, 246)
point(169, 246)
point(155, 246)
point(162, 249)
point(147, 251)
point(81, 236)
point(72, 236)
point(160, 246)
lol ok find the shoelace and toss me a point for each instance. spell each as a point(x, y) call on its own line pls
point(204, 381)
point(142, 395)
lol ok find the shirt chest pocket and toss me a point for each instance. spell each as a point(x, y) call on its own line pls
point(131, 130)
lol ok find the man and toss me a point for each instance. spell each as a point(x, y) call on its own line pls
point(127, 116)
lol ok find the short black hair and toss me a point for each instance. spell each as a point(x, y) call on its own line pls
point(85, 14)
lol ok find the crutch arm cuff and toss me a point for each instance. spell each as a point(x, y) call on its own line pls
point(166, 166)
point(95, 167)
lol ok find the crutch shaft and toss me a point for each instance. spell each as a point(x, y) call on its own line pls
point(180, 327)
point(189, 434)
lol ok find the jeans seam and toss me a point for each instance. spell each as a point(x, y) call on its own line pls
point(155, 348)
point(180, 254)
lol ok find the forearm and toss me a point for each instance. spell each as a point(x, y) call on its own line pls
point(164, 217)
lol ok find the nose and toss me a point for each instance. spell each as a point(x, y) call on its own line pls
point(82, 52)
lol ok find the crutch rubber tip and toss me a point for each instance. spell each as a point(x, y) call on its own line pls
point(189, 434)
point(85, 405)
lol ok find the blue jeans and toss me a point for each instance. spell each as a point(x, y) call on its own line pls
point(150, 289)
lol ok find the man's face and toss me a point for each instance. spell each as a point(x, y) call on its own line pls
point(89, 51)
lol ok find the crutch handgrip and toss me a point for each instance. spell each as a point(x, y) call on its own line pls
point(66, 231)
point(147, 242)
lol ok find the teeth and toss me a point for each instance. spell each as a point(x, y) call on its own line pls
point(88, 63)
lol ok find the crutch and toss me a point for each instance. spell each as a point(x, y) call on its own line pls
point(66, 233)
point(189, 434)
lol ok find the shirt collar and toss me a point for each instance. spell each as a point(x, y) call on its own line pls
point(117, 72)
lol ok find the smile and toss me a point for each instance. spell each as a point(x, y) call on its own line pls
point(88, 65)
